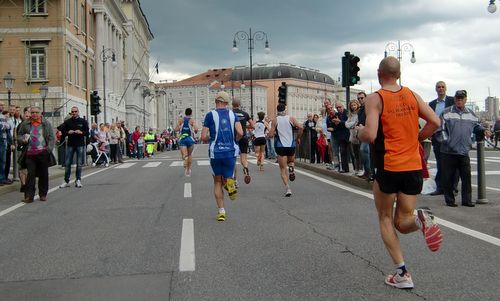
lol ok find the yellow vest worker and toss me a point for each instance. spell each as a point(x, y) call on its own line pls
point(150, 140)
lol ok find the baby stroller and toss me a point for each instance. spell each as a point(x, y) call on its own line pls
point(98, 153)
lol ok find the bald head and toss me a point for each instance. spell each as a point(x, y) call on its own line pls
point(236, 103)
point(390, 67)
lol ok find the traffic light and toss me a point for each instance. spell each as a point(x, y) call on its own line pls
point(94, 104)
point(345, 72)
point(353, 70)
point(282, 93)
point(350, 70)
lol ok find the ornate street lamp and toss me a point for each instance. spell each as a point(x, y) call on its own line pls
point(106, 53)
point(492, 7)
point(400, 48)
point(44, 90)
point(259, 36)
point(9, 80)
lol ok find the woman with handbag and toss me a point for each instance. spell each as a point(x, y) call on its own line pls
point(37, 135)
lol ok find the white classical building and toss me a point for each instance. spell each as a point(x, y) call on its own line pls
point(138, 94)
point(123, 33)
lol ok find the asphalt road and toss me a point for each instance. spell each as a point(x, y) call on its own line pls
point(126, 235)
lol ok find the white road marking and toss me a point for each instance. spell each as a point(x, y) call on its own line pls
point(203, 162)
point(152, 164)
point(187, 190)
point(177, 163)
point(487, 173)
point(254, 161)
point(458, 228)
point(125, 165)
point(473, 233)
point(487, 187)
point(187, 257)
point(12, 208)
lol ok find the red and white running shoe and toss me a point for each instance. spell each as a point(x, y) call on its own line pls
point(400, 281)
point(431, 230)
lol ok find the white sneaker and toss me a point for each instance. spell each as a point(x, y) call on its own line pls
point(78, 184)
point(288, 192)
point(64, 185)
point(360, 173)
point(398, 281)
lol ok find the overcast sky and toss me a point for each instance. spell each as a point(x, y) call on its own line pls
point(454, 40)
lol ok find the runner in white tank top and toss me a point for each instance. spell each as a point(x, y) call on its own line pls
point(260, 129)
point(282, 129)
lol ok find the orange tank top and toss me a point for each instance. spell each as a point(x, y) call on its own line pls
point(396, 145)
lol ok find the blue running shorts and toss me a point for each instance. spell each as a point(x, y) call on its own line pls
point(223, 167)
point(188, 141)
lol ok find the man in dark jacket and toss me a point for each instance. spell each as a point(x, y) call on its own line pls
point(496, 129)
point(77, 130)
point(457, 125)
point(438, 105)
point(312, 136)
point(336, 126)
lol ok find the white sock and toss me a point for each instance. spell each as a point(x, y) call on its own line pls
point(221, 210)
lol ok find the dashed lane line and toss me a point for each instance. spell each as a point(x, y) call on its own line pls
point(187, 190)
point(187, 262)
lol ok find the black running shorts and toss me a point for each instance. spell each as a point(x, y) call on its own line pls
point(407, 182)
point(259, 141)
point(243, 144)
point(285, 151)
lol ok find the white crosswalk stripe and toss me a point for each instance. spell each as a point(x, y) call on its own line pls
point(126, 165)
point(203, 162)
point(152, 164)
point(176, 163)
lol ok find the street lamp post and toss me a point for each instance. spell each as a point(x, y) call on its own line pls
point(400, 48)
point(106, 53)
point(8, 80)
point(43, 94)
point(259, 36)
point(9, 84)
point(145, 93)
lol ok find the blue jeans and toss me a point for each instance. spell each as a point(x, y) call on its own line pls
point(365, 157)
point(80, 153)
point(271, 153)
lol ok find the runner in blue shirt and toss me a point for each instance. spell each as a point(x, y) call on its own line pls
point(222, 130)
point(186, 126)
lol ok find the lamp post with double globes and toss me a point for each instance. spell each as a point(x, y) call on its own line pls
point(251, 38)
point(106, 53)
point(400, 48)
point(9, 80)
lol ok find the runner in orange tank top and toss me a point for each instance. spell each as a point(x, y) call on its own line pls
point(392, 126)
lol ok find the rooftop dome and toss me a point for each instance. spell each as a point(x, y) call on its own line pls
point(280, 71)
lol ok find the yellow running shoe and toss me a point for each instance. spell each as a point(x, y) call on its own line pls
point(231, 189)
point(221, 217)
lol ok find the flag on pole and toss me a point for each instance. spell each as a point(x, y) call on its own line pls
point(156, 67)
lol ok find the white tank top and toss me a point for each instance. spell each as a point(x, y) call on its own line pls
point(285, 132)
point(260, 129)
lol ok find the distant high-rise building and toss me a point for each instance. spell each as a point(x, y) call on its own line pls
point(491, 107)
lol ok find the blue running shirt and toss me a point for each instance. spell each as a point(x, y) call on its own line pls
point(221, 123)
point(186, 130)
